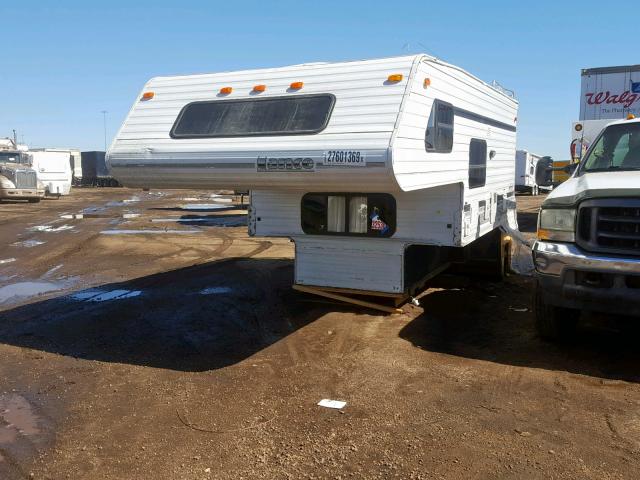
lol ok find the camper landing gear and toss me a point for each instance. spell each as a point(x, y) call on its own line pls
point(489, 256)
point(347, 295)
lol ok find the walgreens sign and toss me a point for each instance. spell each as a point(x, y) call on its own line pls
point(610, 94)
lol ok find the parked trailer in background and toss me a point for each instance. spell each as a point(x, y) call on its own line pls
point(54, 171)
point(74, 161)
point(532, 172)
point(95, 172)
point(607, 94)
point(383, 172)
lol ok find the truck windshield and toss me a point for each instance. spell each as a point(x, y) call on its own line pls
point(13, 157)
point(618, 148)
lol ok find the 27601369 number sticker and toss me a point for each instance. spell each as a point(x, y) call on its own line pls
point(344, 158)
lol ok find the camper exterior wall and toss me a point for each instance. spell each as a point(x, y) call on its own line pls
point(363, 119)
point(430, 216)
point(482, 113)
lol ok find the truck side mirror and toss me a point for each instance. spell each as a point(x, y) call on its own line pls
point(544, 172)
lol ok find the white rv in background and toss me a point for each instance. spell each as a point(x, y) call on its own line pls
point(528, 174)
point(74, 160)
point(382, 172)
point(54, 171)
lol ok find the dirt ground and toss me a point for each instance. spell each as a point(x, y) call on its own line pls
point(144, 337)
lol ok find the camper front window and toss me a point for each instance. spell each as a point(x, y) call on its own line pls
point(296, 115)
point(439, 135)
point(357, 214)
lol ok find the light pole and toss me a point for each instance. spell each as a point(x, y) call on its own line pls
point(104, 122)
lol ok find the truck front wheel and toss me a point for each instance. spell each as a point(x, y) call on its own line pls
point(552, 322)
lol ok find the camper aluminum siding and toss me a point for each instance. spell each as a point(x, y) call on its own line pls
point(384, 120)
point(363, 119)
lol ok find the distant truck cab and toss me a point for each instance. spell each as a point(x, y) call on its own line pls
point(18, 181)
point(587, 255)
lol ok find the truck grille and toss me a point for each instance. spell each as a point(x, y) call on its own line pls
point(610, 225)
point(26, 179)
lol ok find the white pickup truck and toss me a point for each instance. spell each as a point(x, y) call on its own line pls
point(587, 256)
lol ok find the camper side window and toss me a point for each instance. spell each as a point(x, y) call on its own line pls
point(439, 135)
point(477, 163)
point(356, 214)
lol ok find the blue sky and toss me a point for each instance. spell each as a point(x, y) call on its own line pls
point(66, 61)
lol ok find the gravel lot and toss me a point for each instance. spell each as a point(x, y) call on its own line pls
point(144, 337)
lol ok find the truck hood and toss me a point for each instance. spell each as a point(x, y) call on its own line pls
point(595, 185)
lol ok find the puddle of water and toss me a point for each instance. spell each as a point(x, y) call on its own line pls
point(229, 221)
point(18, 291)
point(27, 243)
point(103, 295)
point(16, 412)
point(50, 228)
point(82, 216)
point(7, 260)
point(149, 232)
point(52, 270)
point(201, 206)
point(124, 202)
point(215, 290)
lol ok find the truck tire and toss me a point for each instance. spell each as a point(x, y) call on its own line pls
point(552, 322)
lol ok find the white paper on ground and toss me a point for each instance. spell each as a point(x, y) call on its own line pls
point(325, 402)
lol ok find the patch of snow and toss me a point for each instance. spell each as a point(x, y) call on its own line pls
point(28, 243)
point(7, 260)
point(50, 228)
point(103, 295)
point(215, 290)
point(201, 206)
point(148, 232)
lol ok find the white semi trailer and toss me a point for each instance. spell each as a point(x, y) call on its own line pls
point(607, 94)
point(381, 171)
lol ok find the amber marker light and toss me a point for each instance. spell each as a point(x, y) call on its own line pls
point(426, 83)
point(226, 90)
point(148, 95)
point(259, 88)
point(396, 77)
point(631, 116)
point(296, 85)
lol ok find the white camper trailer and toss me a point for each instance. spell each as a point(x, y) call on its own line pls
point(54, 171)
point(380, 171)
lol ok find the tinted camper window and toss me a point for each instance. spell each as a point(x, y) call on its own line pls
point(357, 214)
point(295, 115)
point(439, 136)
point(477, 163)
